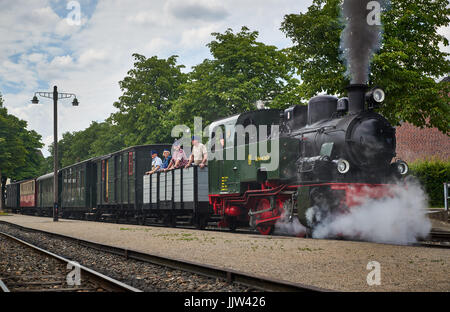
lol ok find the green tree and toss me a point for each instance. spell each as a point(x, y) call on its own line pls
point(33, 157)
point(19, 154)
point(242, 72)
point(149, 89)
point(109, 139)
point(407, 66)
point(96, 140)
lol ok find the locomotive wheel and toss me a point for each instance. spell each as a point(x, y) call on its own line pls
point(267, 228)
point(202, 222)
point(232, 224)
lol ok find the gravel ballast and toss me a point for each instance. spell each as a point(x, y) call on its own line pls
point(141, 275)
point(330, 264)
point(22, 269)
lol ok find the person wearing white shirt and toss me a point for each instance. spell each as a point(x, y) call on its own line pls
point(156, 163)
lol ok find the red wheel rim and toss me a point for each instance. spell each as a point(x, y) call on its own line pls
point(265, 229)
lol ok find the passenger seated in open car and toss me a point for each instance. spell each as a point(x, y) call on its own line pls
point(179, 159)
point(156, 163)
point(166, 160)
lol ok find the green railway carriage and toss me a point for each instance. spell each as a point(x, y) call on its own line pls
point(78, 188)
point(119, 182)
point(13, 197)
point(45, 197)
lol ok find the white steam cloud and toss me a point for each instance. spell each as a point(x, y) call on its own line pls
point(398, 219)
point(290, 227)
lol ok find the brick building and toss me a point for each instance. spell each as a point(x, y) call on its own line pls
point(414, 143)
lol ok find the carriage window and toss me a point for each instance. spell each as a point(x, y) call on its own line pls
point(250, 132)
point(217, 139)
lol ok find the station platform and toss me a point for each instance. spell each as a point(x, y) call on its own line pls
point(330, 264)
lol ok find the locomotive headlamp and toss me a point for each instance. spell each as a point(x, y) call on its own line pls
point(375, 97)
point(343, 166)
point(402, 167)
point(378, 95)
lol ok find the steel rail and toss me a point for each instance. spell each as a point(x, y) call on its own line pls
point(230, 275)
point(3, 287)
point(440, 235)
point(104, 281)
point(431, 245)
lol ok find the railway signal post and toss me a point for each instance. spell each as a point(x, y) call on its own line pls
point(55, 96)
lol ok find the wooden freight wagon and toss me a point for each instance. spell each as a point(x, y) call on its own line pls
point(179, 193)
point(119, 181)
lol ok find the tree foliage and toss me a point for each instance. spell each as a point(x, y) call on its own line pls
point(145, 106)
point(408, 65)
point(19, 148)
point(96, 140)
point(432, 174)
point(20, 157)
point(242, 72)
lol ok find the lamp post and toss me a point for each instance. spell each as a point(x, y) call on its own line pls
point(55, 96)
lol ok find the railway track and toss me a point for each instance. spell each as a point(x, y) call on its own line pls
point(28, 268)
point(229, 275)
point(436, 239)
point(438, 235)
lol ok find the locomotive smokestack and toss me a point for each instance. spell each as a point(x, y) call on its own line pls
point(356, 97)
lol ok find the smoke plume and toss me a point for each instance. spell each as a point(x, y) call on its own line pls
point(361, 37)
point(398, 219)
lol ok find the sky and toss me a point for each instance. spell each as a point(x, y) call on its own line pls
point(85, 47)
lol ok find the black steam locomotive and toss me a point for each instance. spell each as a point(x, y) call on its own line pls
point(334, 153)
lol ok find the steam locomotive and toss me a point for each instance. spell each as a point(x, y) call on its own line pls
point(329, 156)
point(334, 154)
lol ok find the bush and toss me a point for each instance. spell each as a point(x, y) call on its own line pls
point(432, 174)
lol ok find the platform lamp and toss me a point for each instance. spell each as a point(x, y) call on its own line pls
point(55, 96)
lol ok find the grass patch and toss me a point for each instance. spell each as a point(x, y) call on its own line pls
point(133, 230)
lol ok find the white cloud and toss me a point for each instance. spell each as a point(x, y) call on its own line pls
point(197, 37)
point(34, 58)
point(62, 62)
point(445, 31)
point(92, 55)
point(200, 10)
